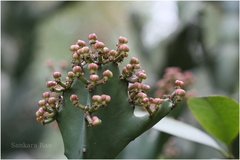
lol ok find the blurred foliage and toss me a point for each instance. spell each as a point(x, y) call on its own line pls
point(202, 37)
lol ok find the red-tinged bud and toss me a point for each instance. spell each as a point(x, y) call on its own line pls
point(73, 98)
point(42, 103)
point(179, 83)
point(92, 36)
point(74, 47)
point(122, 39)
point(41, 110)
point(142, 95)
point(99, 45)
point(124, 70)
point(134, 60)
point(57, 75)
point(39, 119)
point(108, 98)
point(107, 73)
point(46, 95)
point(141, 75)
point(137, 66)
point(96, 121)
point(145, 100)
point(157, 101)
point(145, 88)
point(97, 98)
point(94, 77)
point(93, 66)
point(85, 49)
point(50, 84)
point(52, 100)
point(70, 74)
point(124, 48)
point(75, 55)
point(113, 53)
point(129, 67)
point(76, 69)
point(137, 85)
point(105, 50)
point(179, 92)
point(81, 43)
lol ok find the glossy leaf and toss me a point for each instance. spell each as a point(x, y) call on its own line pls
point(218, 115)
point(183, 130)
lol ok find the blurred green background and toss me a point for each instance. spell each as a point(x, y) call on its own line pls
point(202, 37)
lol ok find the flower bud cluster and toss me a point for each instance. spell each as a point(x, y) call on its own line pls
point(48, 108)
point(168, 83)
point(137, 96)
point(98, 101)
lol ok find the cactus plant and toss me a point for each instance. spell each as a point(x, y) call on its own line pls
point(94, 107)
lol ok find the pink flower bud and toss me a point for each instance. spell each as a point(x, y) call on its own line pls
point(39, 119)
point(57, 75)
point(81, 43)
point(97, 98)
point(74, 47)
point(113, 53)
point(93, 66)
point(141, 75)
point(107, 73)
point(41, 103)
point(122, 39)
point(75, 55)
point(73, 97)
point(52, 100)
point(179, 83)
point(134, 60)
point(46, 95)
point(50, 84)
point(129, 67)
point(94, 77)
point(146, 88)
point(70, 74)
point(137, 66)
point(157, 101)
point(76, 69)
point(105, 50)
point(124, 48)
point(106, 98)
point(145, 100)
point(99, 45)
point(96, 121)
point(179, 92)
point(92, 36)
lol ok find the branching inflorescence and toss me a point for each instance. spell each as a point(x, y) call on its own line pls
point(89, 59)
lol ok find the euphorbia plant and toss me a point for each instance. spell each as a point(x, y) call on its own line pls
point(95, 104)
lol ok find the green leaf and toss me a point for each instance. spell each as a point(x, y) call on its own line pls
point(183, 130)
point(218, 115)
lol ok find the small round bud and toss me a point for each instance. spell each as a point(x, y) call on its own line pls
point(105, 50)
point(113, 53)
point(73, 97)
point(106, 98)
point(93, 66)
point(97, 98)
point(137, 66)
point(141, 95)
point(145, 100)
point(75, 55)
point(122, 39)
point(46, 95)
point(94, 77)
point(74, 47)
point(57, 75)
point(107, 73)
point(145, 88)
point(76, 69)
point(41, 103)
point(179, 83)
point(92, 36)
point(70, 74)
point(134, 60)
point(96, 121)
point(129, 67)
point(50, 84)
point(179, 92)
point(52, 100)
point(84, 50)
point(124, 48)
point(99, 45)
point(81, 43)
point(39, 119)
point(157, 101)
point(141, 75)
